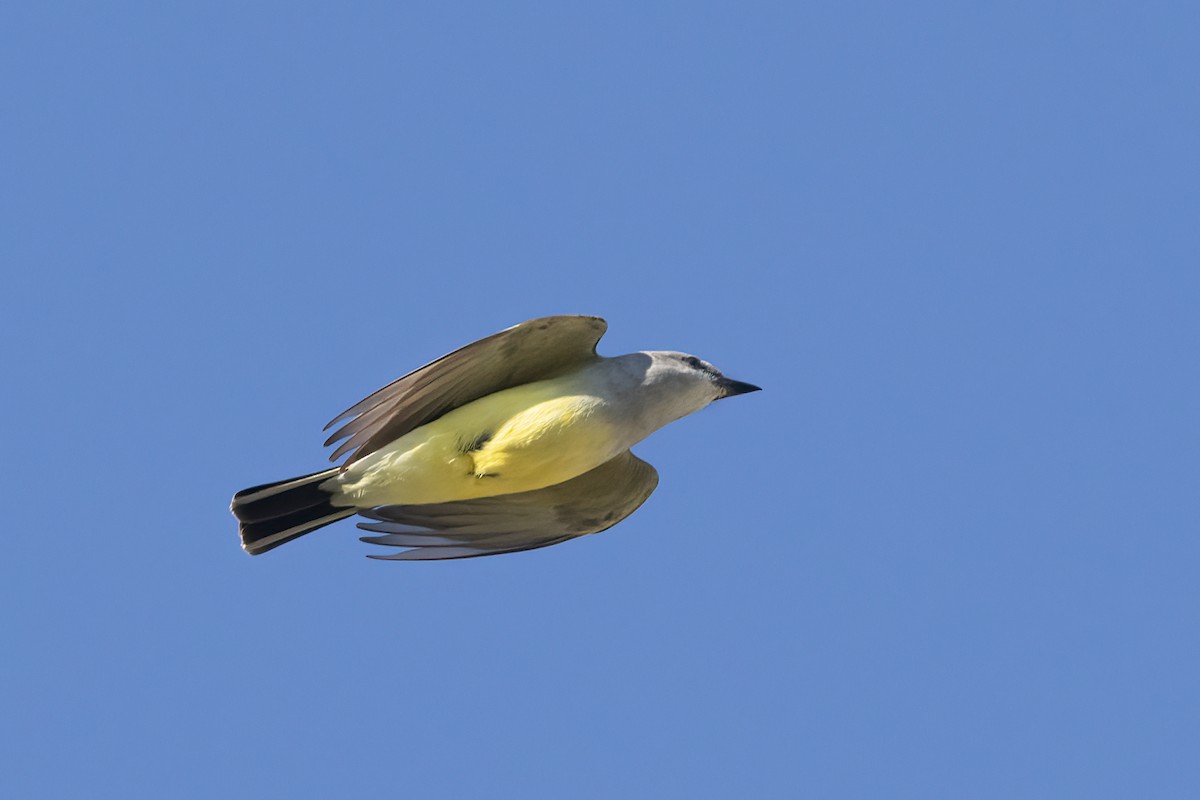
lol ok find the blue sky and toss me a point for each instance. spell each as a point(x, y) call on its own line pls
point(950, 551)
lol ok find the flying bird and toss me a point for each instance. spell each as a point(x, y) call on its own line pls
point(517, 441)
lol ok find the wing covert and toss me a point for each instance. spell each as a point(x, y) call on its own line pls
point(589, 503)
point(535, 350)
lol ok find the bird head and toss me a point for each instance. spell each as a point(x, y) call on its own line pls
point(686, 383)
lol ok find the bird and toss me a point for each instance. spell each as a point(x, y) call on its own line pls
point(517, 441)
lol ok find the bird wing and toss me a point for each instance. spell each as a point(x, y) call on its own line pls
point(532, 351)
point(589, 503)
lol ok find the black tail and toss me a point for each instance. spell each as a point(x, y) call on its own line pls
point(275, 513)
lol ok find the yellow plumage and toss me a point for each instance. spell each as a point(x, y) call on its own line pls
point(516, 440)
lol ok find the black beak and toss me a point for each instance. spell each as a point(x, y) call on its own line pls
point(729, 387)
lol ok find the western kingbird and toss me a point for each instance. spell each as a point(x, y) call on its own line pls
point(517, 441)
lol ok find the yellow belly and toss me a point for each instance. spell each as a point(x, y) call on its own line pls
point(516, 440)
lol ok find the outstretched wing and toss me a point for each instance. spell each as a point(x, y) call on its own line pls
point(532, 351)
point(589, 503)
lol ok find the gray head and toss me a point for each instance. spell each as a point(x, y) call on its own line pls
point(680, 384)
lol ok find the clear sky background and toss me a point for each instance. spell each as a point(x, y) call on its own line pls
point(950, 551)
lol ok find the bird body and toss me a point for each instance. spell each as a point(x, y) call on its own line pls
point(517, 441)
